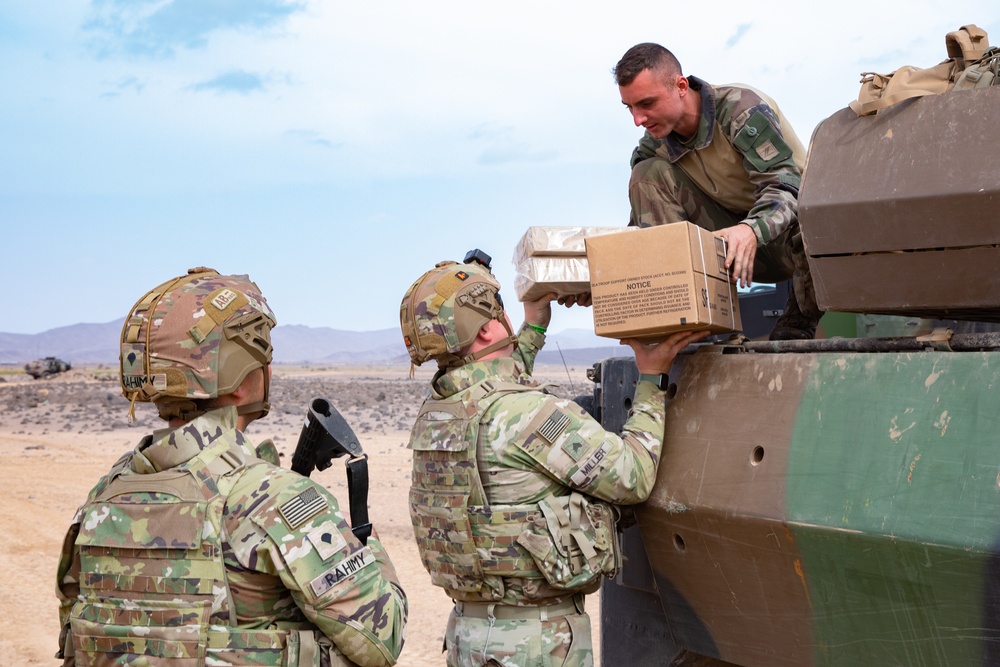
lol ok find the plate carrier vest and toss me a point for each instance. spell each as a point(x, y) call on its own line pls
point(155, 591)
point(465, 543)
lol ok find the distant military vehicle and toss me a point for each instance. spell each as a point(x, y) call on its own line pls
point(837, 501)
point(47, 367)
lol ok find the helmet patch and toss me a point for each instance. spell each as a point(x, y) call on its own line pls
point(224, 298)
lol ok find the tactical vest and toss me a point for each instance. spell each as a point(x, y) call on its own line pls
point(465, 543)
point(153, 583)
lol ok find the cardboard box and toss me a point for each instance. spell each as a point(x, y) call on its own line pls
point(659, 280)
point(900, 211)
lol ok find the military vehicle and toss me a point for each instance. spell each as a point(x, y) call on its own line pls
point(45, 368)
point(837, 501)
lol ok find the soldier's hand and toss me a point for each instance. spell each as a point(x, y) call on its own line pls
point(659, 358)
point(584, 300)
point(539, 311)
point(741, 249)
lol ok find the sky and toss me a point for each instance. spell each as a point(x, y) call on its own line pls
point(334, 151)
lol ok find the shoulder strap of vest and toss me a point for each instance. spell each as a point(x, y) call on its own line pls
point(483, 396)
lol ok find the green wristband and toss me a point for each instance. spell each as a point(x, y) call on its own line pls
point(537, 328)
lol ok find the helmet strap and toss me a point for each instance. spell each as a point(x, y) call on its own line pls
point(262, 406)
point(489, 349)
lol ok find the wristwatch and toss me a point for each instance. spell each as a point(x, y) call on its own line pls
point(661, 380)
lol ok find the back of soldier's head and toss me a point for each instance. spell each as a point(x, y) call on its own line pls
point(443, 311)
point(195, 338)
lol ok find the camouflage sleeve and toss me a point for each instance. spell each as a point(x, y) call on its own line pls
point(644, 150)
point(768, 160)
point(348, 590)
point(68, 587)
point(529, 342)
point(562, 440)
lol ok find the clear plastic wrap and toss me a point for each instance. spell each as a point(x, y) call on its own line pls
point(557, 241)
point(537, 276)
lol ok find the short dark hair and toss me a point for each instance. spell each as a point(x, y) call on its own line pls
point(646, 56)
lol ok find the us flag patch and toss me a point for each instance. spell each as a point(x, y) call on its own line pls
point(553, 426)
point(302, 507)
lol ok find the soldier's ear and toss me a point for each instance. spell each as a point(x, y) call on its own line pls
point(485, 333)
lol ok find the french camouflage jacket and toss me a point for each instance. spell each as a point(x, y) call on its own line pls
point(512, 487)
point(745, 155)
point(193, 551)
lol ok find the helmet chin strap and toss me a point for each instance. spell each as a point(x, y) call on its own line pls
point(511, 339)
point(186, 409)
point(262, 406)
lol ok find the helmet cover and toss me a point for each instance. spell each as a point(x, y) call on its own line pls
point(196, 336)
point(442, 311)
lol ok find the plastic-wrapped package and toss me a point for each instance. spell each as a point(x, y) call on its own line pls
point(557, 241)
point(554, 259)
point(537, 276)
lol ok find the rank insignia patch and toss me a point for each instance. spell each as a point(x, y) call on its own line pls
point(302, 507)
point(327, 540)
point(553, 426)
point(767, 151)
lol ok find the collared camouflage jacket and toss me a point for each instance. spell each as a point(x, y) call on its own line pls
point(745, 155)
point(533, 446)
point(192, 530)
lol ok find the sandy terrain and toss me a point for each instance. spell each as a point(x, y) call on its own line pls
point(58, 436)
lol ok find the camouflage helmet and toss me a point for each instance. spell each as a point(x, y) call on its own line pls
point(445, 308)
point(194, 337)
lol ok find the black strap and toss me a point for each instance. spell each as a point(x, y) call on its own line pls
point(357, 493)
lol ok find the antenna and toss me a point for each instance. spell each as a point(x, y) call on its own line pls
point(568, 376)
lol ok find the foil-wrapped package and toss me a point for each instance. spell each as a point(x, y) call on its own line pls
point(537, 276)
point(557, 241)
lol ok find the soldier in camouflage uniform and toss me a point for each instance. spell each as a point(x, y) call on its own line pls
point(513, 488)
point(196, 548)
point(726, 159)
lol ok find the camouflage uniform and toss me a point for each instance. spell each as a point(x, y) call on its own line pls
point(539, 527)
point(192, 551)
point(744, 164)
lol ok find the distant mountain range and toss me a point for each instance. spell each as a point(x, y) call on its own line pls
point(293, 344)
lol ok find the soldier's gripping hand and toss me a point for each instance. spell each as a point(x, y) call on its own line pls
point(539, 311)
point(585, 299)
point(658, 358)
point(741, 249)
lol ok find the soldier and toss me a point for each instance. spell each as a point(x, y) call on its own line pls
point(196, 548)
point(512, 489)
point(725, 159)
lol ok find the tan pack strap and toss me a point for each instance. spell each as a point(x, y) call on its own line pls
point(866, 108)
point(506, 612)
point(966, 44)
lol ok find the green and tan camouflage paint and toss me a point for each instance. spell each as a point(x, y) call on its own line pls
point(830, 508)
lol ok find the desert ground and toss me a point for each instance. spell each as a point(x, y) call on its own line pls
point(59, 435)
